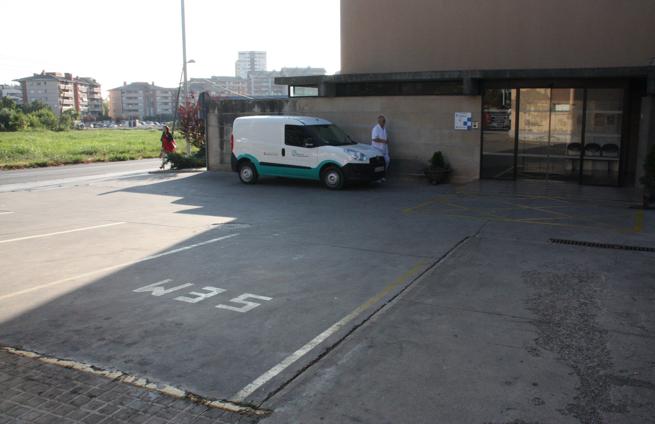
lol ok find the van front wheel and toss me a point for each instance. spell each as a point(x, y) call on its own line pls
point(332, 178)
point(247, 173)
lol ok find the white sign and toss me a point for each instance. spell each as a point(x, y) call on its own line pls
point(463, 120)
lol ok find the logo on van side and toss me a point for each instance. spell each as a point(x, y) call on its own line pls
point(298, 155)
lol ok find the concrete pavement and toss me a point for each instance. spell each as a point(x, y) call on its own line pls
point(335, 305)
point(31, 178)
point(500, 332)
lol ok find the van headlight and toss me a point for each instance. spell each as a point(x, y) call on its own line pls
point(358, 156)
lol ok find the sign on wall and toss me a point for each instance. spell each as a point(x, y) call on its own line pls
point(463, 120)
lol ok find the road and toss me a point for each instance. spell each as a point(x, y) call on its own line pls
point(22, 179)
point(399, 302)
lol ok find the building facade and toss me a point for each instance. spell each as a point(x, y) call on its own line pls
point(219, 86)
point(13, 92)
point(139, 100)
point(256, 84)
point(249, 61)
point(88, 96)
point(520, 89)
point(62, 92)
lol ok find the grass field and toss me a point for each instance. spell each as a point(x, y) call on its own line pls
point(24, 149)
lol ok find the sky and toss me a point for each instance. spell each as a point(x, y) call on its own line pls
point(140, 40)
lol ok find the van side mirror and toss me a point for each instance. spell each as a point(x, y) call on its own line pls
point(308, 142)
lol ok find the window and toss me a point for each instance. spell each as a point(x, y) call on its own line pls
point(298, 91)
point(328, 134)
point(294, 135)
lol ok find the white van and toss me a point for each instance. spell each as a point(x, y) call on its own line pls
point(301, 147)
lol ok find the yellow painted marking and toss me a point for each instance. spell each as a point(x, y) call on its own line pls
point(422, 205)
point(639, 221)
point(554, 224)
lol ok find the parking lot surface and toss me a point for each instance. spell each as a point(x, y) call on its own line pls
point(400, 302)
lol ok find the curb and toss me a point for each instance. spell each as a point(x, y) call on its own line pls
point(177, 171)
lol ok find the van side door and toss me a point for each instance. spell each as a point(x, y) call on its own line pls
point(300, 150)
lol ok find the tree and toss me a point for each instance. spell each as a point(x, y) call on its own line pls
point(105, 108)
point(35, 106)
point(67, 119)
point(8, 103)
point(43, 118)
point(191, 126)
point(12, 119)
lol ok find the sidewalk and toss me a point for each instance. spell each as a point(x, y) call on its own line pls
point(35, 392)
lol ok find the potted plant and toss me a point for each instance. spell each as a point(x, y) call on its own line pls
point(438, 170)
point(648, 180)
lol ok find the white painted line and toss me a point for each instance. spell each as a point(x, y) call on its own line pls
point(6, 212)
point(75, 230)
point(109, 268)
point(286, 362)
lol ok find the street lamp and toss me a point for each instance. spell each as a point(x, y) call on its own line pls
point(184, 70)
point(184, 61)
point(177, 100)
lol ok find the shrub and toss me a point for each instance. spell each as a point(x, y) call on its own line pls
point(43, 118)
point(180, 161)
point(35, 106)
point(67, 119)
point(191, 126)
point(12, 120)
point(438, 161)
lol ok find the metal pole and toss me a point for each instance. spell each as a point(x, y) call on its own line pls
point(186, 87)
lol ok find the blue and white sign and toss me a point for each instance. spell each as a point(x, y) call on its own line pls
point(463, 121)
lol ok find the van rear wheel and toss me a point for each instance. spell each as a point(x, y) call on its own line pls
point(332, 178)
point(247, 173)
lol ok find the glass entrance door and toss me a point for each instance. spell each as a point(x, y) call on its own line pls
point(550, 133)
point(602, 140)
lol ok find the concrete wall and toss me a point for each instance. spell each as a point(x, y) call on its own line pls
point(418, 126)
point(426, 35)
point(219, 116)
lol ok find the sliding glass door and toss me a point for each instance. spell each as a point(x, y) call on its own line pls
point(570, 134)
point(498, 127)
point(550, 133)
point(602, 144)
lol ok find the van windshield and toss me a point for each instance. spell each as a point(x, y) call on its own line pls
point(330, 135)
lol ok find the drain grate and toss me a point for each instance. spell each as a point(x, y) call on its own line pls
point(603, 245)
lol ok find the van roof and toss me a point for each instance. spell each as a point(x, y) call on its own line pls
point(287, 119)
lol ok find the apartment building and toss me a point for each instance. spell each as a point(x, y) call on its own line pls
point(55, 89)
point(88, 96)
point(259, 83)
point(219, 86)
point(13, 92)
point(262, 84)
point(139, 100)
point(62, 92)
point(250, 61)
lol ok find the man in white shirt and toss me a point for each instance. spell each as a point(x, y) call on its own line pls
point(380, 140)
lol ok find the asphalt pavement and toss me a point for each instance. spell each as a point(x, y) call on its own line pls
point(31, 178)
point(398, 302)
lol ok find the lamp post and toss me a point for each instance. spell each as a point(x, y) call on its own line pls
point(184, 61)
point(184, 70)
